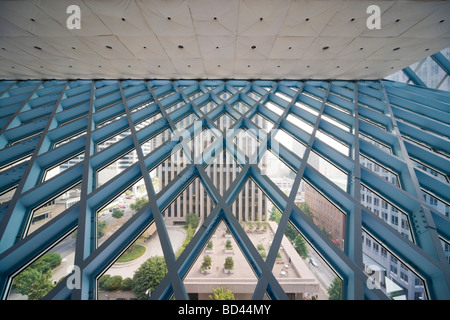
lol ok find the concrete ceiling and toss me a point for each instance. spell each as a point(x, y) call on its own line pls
point(199, 39)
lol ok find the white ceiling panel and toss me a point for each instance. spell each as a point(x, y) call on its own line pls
point(243, 39)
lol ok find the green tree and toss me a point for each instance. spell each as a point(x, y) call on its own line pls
point(101, 225)
point(335, 290)
point(206, 264)
point(192, 220)
point(41, 286)
point(126, 284)
point(275, 215)
point(113, 283)
point(300, 246)
point(229, 263)
point(148, 276)
point(221, 294)
point(305, 208)
point(117, 213)
point(139, 203)
point(34, 281)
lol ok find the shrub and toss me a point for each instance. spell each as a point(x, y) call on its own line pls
point(192, 220)
point(102, 280)
point(113, 283)
point(117, 213)
point(228, 245)
point(126, 284)
point(229, 263)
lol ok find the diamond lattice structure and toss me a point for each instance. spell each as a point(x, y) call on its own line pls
point(369, 158)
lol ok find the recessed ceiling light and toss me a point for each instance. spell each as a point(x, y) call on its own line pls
point(325, 48)
point(180, 46)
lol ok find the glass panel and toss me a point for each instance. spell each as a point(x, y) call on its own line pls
point(222, 171)
point(224, 121)
point(218, 268)
point(186, 213)
point(388, 273)
point(147, 121)
point(336, 123)
point(273, 107)
point(335, 144)
point(116, 167)
point(386, 211)
point(155, 142)
point(307, 108)
point(375, 143)
point(333, 173)
point(208, 106)
point(51, 209)
point(186, 121)
point(241, 106)
point(246, 142)
point(305, 126)
point(262, 122)
point(67, 140)
point(113, 215)
point(63, 166)
point(386, 174)
point(299, 263)
point(289, 142)
point(137, 272)
point(327, 216)
point(436, 203)
point(200, 142)
point(39, 278)
point(250, 204)
point(110, 141)
point(277, 171)
point(168, 170)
